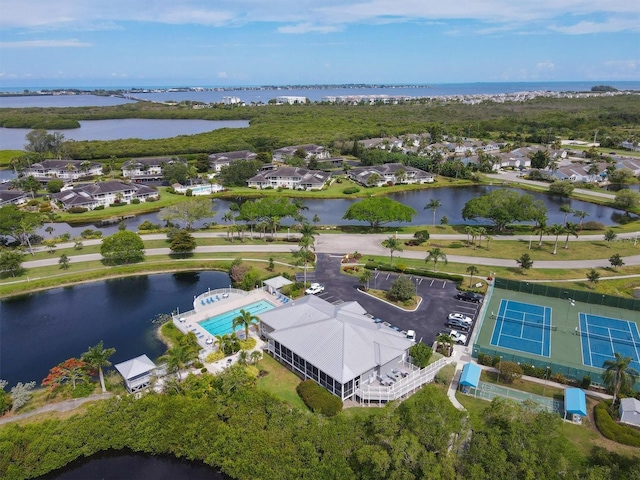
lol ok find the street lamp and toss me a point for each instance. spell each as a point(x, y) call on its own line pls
point(375, 278)
point(416, 289)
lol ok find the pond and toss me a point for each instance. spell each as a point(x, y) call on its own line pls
point(117, 465)
point(40, 330)
point(144, 129)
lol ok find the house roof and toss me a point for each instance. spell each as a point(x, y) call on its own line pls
point(630, 405)
point(470, 375)
point(236, 155)
point(338, 339)
point(134, 367)
point(305, 177)
point(277, 282)
point(52, 164)
point(150, 161)
point(575, 401)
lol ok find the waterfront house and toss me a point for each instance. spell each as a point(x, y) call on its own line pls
point(66, 170)
point(137, 373)
point(224, 159)
point(12, 197)
point(338, 346)
point(378, 175)
point(290, 177)
point(104, 193)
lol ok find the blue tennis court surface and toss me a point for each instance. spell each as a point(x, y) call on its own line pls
point(601, 337)
point(524, 327)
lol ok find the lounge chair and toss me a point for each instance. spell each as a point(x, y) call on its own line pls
point(202, 302)
point(218, 297)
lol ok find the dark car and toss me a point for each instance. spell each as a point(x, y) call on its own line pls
point(457, 325)
point(469, 297)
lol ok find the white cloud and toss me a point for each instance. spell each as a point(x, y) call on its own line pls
point(546, 65)
point(222, 75)
point(303, 16)
point(308, 28)
point(45, 44)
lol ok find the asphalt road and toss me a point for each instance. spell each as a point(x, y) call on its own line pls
point(438, 298)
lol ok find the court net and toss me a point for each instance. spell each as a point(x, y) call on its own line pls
point(517, 321)
point(610, 339)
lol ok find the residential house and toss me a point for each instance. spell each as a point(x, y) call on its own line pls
point(137, 373)
point(66, 170)
point(631, 145)
point(282, 154)
point(104, 193)
point(581, 172)
point(12, 197)
point(148, 169)
point(632, 164)
point(378, 175)
point(290, 177)
point(337, 346)
point(219, 160)
point(290, 99)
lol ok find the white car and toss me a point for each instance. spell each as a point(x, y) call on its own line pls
point(461, 317)
point(314, 288)
point(458, 337)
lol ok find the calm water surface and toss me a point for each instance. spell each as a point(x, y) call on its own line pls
point(133, 466)
point(40, 330)
point(145, 129)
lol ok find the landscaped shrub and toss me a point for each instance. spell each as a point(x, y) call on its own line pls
point(99, 207)
point(147, 225)
point(248, 344)
point(350, 190)
point(198, 364)
point(586, 382)
point(484, 359)
point(611, 429)
point(318, 399)
point(592, 225)
point(77, 210)
point(135, 201)
point(214, 357)
point(509, 371)
point(83, 390)
point(558, 378)
point(445, 374)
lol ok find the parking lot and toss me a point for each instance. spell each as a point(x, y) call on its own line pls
point(438, 298)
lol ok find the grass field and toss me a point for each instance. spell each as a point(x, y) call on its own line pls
point(280, 382)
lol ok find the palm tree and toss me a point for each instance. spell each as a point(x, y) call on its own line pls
point(433, 205)
point(473, 270)
point(244, 319)
point(178, 357)
point(393, 244)
point(446, 341)
point(581, 214)
point(435, 255)
point(98, 357)
point(619, 375)
point(556, 229)
point(308, 230)
point(571, 229)
point(480, 231)
point(366, 277)
point(541, 228)
point(566, 209)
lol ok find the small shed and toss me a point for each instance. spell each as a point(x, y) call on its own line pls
point(276, 283)
point(470, 377)
point(136, 372)
point(630, 411)
point(575, 403)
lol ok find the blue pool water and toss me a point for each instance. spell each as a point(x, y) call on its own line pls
point(222, 324)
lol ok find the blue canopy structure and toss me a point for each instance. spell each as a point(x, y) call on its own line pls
point(470, 375)
point(575, 401)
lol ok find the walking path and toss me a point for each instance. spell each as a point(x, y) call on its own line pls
point(64, 406)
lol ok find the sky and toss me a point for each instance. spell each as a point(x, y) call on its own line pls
point(302, 42)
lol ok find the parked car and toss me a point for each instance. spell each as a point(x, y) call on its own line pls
point(314, 288)
point(458, 325)
point(411, 335)
point(461, 317)
point(458, 337)
point(470, 297)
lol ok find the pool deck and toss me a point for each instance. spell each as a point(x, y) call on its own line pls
point(226, 300)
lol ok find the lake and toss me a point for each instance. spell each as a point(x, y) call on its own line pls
point(145, 129)
point(41, 330)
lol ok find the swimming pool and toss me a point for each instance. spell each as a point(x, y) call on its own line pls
point(204, 189)
point(222, 324)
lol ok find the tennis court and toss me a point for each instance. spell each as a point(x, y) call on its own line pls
point(523, 326)
point(602, 336)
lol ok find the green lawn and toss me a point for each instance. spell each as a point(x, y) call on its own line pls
point(280, 381)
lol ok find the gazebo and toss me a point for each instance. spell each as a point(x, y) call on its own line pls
point(470, 377)
point(575, 403)
point(136, 372)
point(276, 283)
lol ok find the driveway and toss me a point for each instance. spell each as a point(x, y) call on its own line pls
point(438, 298)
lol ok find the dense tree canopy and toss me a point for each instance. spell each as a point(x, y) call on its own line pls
point(122, 247)
point(236, 174)
point(379, 210)
point(188, 212)
point(503, 206)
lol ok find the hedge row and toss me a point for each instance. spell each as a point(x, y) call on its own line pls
point(414, 271)
point(613, 430)
point(318, 399)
